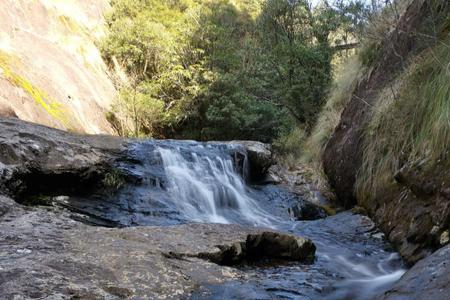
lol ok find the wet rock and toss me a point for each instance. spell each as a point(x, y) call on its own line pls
point(264, 246)
point(278, 245)
point(302, 181)
point(259, 156)
point(305, 211)
point(274, 175)
point(428, 279)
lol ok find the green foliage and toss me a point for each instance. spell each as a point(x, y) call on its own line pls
point(369, 53)
point(298, 55)
point(235, 113)
point(113, 180)
point(219, 69)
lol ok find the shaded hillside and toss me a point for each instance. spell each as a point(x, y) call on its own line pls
point(389, 152)
point(50, 69)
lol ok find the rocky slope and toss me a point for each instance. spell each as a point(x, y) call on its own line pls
point(431, 274)
point(413, 207)
point(51, 71)
point(410, 201)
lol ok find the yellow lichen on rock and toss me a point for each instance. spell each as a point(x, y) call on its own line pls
point(53, 108)
point(51, 71)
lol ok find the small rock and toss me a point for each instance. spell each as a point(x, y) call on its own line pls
point(359, 210)
point(233, 254)
point(281, 246)
point(306, 210)
point(445, 238)
point(446, 193)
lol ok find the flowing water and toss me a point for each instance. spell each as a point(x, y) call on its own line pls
point(174, 182)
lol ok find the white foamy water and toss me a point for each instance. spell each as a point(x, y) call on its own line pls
point(207, 188)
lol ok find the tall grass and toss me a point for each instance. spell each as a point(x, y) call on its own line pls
point(410, 127)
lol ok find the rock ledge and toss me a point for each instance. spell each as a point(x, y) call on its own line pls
point(264, 246)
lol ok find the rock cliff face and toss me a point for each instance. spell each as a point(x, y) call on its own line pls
point(414, 211)
point(51, 71)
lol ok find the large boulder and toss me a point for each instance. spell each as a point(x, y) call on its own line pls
point(51, 69)
point(280, 246)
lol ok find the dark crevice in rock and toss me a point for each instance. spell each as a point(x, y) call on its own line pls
point(67, 182)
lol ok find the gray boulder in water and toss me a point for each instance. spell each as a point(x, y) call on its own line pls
point(264, 246)
point(259, 156)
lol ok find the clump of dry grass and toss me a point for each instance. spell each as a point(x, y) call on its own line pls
point(413, 126)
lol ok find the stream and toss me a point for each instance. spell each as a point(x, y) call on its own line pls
point(176, 182)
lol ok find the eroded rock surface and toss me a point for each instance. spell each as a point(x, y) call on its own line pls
point(46, 253)
point(51, 70)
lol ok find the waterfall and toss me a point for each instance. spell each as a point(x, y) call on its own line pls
point(205, 186)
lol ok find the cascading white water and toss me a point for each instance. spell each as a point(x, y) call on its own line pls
point(176, 182)
point(207, 188)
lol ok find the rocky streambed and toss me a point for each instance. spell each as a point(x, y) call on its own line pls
point(98, 217)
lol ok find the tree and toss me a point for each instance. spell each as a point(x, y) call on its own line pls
point(220, 69)
point(298, 55)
